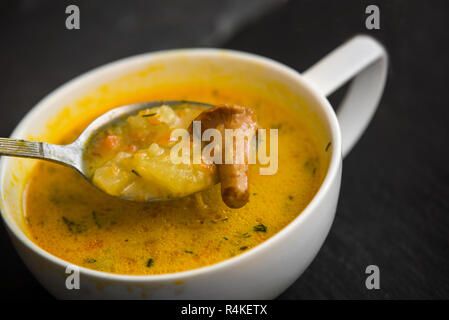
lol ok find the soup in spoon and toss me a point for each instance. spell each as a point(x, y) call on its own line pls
point(140, 157)
point(131, 158)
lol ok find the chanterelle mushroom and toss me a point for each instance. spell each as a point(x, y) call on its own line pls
point(233, 177)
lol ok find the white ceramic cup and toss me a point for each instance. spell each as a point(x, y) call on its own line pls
point(264, 271)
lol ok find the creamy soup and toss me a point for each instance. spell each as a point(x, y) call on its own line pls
point(71, 219)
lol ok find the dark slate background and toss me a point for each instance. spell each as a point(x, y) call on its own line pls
point(394, 203)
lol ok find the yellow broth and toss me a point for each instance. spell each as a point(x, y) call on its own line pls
point(71, 219)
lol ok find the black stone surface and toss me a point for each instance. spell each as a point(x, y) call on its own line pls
point(394, 204)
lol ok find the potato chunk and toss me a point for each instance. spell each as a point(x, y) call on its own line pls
point(111, 179)
point(177, 179)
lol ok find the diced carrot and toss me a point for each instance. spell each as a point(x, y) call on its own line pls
point(164, 140)
point(111, 142)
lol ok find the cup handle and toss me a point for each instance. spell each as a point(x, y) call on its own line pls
point(361, 57)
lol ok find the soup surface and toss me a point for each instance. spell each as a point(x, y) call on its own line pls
point(71, 219)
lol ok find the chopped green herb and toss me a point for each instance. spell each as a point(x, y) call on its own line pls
point(260, 228)
point(136, 173)
point(246, 235)
point(189, 252)
point(216, 221)
point(312, 165)
point(88, 260)
point(72, 226)
point(94, 216)
point(243, 248)
point(149, 115)
point(290, 197)
point(225, 238)
point(254, 194)
point(328, 145)
point(150, 262)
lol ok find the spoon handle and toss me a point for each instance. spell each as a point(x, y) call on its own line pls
point(67, 154)
point(21, 148)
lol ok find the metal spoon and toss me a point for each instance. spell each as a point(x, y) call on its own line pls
point(72, 154)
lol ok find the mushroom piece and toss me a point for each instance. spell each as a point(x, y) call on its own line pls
point(233, 177)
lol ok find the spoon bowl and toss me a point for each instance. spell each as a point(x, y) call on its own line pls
point(72, 155)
